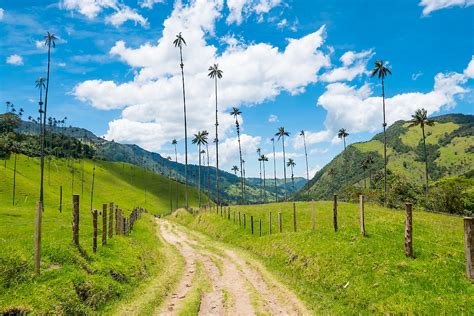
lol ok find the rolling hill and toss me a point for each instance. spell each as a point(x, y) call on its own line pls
point(450, 148)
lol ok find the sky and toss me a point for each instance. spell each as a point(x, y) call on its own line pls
point(303, 65)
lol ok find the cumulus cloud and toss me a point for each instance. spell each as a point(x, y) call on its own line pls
point(312, 138)
point(252, 74)
point(15, 60)
point(469, 71)
point(433, 5)
point(92, 8)
point(150, 3)
point(2, 13)
point(353, 65)
point(239, 10)
point(357, 110)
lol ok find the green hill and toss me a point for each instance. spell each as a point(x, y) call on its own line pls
point(77, 281)
point(450, 153)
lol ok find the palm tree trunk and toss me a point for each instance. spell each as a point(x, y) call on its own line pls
point(169, 190)
point(93, 180)
point(307, 168)
point(384, 146)
point(14, 180)
point(345, 161)
point(284, 163)
point(240, 155)
point(176, 175)
point(426, 159)
point(261, 183)
point(274, 171)
point(199, 175)
point(185, 132)
point(217, 146)
point(208, 176)
point(264, 192)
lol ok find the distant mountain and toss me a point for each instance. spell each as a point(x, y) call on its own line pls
point(450, 148)
point(230, 184)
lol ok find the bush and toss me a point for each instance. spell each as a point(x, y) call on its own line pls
point(452, 195)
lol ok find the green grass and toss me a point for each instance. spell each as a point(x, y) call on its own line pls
point(413, 136)
point(74, 281)
point(345, 273)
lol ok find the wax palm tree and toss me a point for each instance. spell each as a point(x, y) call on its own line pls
point(235, 169)
point(382, 71)
point(174, 142)
point(215, 73)
point(169, 185)
point(200, 139)
point(421, 118)
point(364, 165)
point(342, 134)
point(259, 153)
point(369, 161)
point(281, 135)
point(208, 175)
point(291, 163)
point(306, 157)
point(263, 159)
point(179, 42)
point(7, 106)
point(235, 113)
point(274, 170)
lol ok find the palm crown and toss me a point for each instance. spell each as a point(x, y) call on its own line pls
point(281, 132)
point(302, 133)
point(41, 83)
point(215, 72)
point(291, 162)
point(235, 112)
point(200, 138)
point(235, 168)
point(179, 41)
point(50, 39)
point(421, 118)
point(381, 70)
point(174, 142)
point(342, 133)
point(263, 158)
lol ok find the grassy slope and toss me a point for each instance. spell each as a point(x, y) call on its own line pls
point(344, 273)
point(71, 281)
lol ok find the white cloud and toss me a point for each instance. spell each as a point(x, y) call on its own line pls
point(312, 138)
point(150, 3)
point(469, 71)
point(2, 13)
point(241, 9)
point(282, 23)
point(273, 118)
point(39, 44)
point(416, 75)
point(353, 65)
point(252, 74)
point(357, 110)
point(315, 151)
point(433, 5)
point(15, 59)
point(92, 8)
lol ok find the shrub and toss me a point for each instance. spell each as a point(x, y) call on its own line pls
point(452, 195)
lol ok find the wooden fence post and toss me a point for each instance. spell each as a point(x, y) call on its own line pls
point(75, 219)
point(240, 222)
point(270, 223)
point(409, 231)
point(60, 199)
point(313, 217)
point(334, 212)
point(362, 215)
point(469, 246)
point(251, 222)
point(294, 217)
point(117, 231)
point(104, 224)
point(228, 213)
point(234, 218)
point(111, 219)
point(245, 221)
point(260, 225)
point(94, 236)
point(280, 222)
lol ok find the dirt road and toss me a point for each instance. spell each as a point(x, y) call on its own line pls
point(237, 285)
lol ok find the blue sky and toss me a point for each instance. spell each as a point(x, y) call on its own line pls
point(298, 64)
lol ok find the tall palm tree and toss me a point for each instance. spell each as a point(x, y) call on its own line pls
point(281, 134)
point(200, 139)
point(291, 163)
point(235, 169)
point(49, 40)
point(382, 71)
point(169, 186)
point(342, 134)
point(235, 113)
point(364, 165)
point(174, 142)
point(263, 159)
point(208, 176)
point(215, 73)
point(421, 118)
point(369, 162)
point(274, 170)
point(179, 42)
point(306, 157)
point(259, 153)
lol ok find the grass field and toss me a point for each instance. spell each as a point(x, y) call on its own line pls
point(345, 273)
point(73, 281)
